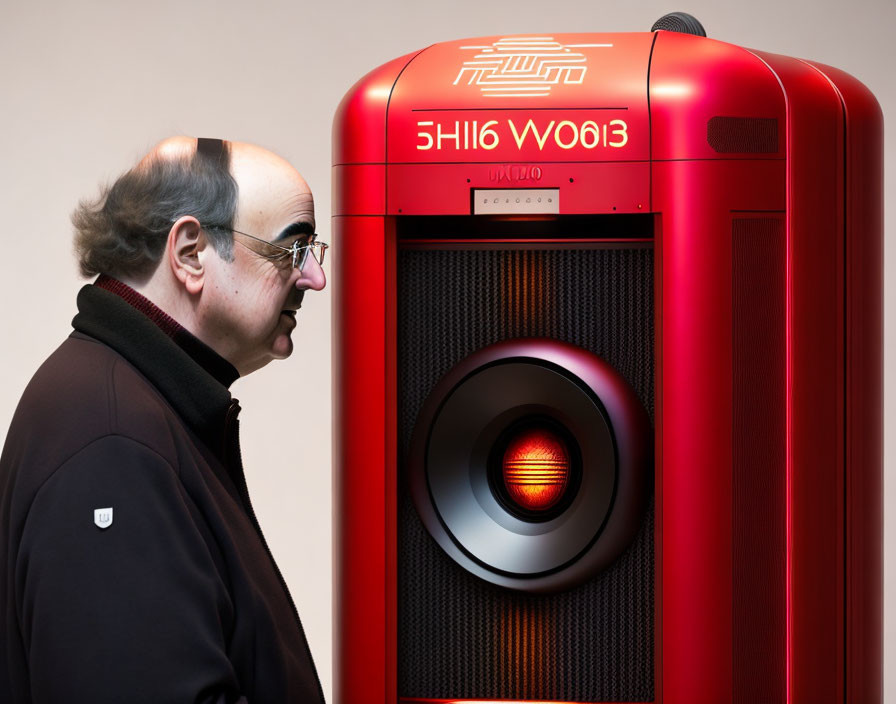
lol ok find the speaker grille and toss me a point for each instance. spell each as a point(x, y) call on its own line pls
point(459, 637)
point(743, 135)
point(759, 460)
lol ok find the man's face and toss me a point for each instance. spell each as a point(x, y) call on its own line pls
point(250, 304)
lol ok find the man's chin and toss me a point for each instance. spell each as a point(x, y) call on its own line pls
point(282, 347)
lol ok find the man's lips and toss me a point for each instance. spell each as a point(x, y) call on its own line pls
point(296, 304)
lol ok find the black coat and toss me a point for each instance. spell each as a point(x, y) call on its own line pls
point(178, 598)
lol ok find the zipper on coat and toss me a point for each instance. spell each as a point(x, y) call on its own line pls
point(234, 459)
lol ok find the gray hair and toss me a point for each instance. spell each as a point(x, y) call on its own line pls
point(124, 231)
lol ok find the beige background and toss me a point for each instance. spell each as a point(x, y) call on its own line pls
point(86, 87)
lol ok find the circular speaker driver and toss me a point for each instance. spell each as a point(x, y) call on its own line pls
point(529, 464)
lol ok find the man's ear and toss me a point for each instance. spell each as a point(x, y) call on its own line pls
point(186, 240)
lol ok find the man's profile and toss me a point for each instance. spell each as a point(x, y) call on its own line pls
point(134, 568)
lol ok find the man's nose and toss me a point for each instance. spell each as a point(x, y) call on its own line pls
point(312, 275)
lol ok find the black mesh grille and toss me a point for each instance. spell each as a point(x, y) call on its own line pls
point(459, 637)
point(759, 459)
point(743, 135)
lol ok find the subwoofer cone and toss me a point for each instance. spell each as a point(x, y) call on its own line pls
point(466, 433)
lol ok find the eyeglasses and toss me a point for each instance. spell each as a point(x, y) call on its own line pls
point(298, 253)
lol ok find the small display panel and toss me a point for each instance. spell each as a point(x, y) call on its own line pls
point(516, 201)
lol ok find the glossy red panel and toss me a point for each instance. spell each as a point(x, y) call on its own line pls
point(446, 189)
point(570, 97)
point(364, 646)
point(696, 200)
point(359, 127)
point(864, 384)
point(359, 189)
point(693, 80)
point(816, 373)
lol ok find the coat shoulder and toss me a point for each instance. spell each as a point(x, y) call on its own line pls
point(84, 391)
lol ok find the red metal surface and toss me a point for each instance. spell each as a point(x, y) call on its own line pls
point(444, 189)
point(359, 127)
point(834, 363)
point(437, 89)
point(816, 355)
point(364, 458)
point(364, 445)
point(437, 119)
point(696, 199)
point(864, 384)
point(693, 79)
point(696, 190)
point(359, 189)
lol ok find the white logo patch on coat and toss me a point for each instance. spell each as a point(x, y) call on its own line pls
point(102, 517)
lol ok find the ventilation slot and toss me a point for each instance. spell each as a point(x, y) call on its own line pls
point(743, 135)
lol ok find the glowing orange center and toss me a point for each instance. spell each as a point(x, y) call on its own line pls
point(536, 469)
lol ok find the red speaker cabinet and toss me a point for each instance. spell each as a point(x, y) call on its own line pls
point(608, 376)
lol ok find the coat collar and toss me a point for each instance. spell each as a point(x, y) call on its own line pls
point(190, 375)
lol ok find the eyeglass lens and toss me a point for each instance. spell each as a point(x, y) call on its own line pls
point(300, 252)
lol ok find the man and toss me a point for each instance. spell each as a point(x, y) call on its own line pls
point(134, 567)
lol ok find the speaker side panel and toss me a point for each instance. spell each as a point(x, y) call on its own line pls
point(699, 490)
point(363, 411)
point(864, 403)
point(817, 384)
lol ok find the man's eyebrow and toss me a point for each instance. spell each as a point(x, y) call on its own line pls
point(296, 228)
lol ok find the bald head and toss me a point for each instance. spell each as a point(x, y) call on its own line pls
point(170, 148)
point(272, 194)
point(267, 184)
point(123, 233)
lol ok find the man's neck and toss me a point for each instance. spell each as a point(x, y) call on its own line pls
point(159, 293)
point(205, 355)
